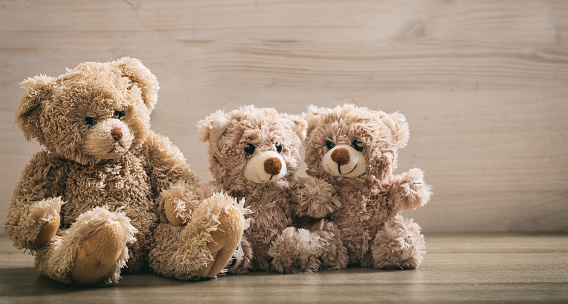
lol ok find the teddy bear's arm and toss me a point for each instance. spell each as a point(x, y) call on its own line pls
point(208, 189)
point(313, 197)
point(33, 214)
point(173, 183)
point(409, 190)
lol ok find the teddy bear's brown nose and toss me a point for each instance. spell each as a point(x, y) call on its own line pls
point(340, 156)
point(272, 166)
point(116, 134)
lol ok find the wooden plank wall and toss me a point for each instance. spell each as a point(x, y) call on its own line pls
point(484, 84)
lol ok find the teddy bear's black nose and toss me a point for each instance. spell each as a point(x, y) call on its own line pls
point(340, 156)
point(272, 166)
point(116, 134)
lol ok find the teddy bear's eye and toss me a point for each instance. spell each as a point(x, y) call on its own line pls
point(119, 114)
point(90, 121)
point(249, 150)
point(357, 145)
point(329, 144)
point(278, 147)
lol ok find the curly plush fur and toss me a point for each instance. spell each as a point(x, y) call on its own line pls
point(254, 154)
point(355, 150)
point(86, 204)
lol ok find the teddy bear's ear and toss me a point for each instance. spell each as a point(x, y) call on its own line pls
point(313, 116)
point(142, 77)
point(399, 128)
point(213, 126)
point(298, 124)
point(38, 90)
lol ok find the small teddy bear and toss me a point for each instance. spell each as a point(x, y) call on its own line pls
point(355, 149)
point(86, 205)
point(254, 154)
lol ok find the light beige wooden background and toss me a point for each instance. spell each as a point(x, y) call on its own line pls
point(484, 84)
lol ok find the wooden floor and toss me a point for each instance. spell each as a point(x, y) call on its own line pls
point(515, 268)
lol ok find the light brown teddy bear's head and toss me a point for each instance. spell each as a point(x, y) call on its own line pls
point(93, 112)
point(252, 146)
point(353, 143)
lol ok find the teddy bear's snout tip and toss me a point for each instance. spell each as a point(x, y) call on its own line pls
point(340, 156)
point(272, 166)
point(116, 134)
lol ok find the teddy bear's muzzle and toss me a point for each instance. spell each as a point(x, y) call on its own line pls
point(265, 167)
point(344, 161)
point(108, 139)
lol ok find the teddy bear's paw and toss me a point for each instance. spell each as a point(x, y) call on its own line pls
point(333, 254)
point(39, 226)
point(316, 198)
point(176, 212)
point(399, 245)
point(413, 192)
point(176, 204)
point(47, 231)
point(295, 251)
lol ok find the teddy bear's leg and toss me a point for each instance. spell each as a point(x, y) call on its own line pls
point(242, 258)
point(295, 250)
point(399, 244)
point(332, 253)
point(203, 247)
point(226, 239)
point(304, 249)
point(91, 251)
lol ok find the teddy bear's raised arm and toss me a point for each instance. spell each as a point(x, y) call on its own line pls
point(33, 215)
point(409, 191)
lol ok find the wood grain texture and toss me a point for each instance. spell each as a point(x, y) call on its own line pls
point(458, 268)
point(483, 84)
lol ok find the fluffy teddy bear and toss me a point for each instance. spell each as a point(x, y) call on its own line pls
point(254, 154)
point(355, 149)
point(86, 204)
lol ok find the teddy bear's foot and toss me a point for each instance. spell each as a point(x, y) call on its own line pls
point(242, 258)
point(295, 250)
point(203, 247)
point(398, 245)
point(99, 255)
point(91, 251)
point(333, 254)
point(225, 241)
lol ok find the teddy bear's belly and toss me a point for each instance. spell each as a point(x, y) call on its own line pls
point(359, 220)
point(271, 217)
point(119, 184)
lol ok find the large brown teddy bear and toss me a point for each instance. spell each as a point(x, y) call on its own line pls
point(86, 204)
point(355, 149)
point(254, 154)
